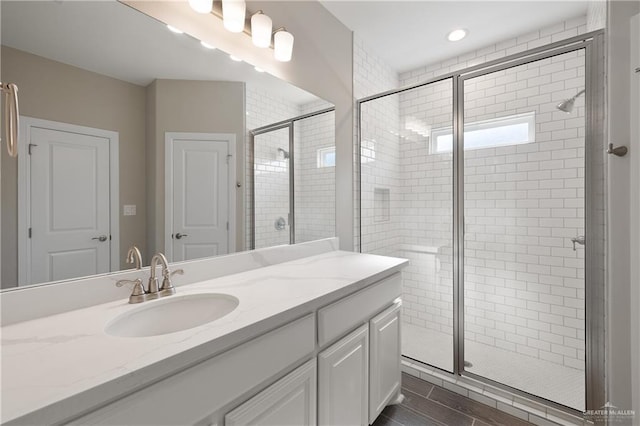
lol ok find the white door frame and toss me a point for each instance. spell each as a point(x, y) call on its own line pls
point(169, 137)
point(24, 190)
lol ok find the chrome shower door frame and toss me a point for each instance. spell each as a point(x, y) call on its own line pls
point(595, 342)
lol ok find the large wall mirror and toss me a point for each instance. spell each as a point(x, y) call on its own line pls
point(133, 134)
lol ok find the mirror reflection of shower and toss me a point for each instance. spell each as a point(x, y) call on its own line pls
point(567, 104)
point(285, 153)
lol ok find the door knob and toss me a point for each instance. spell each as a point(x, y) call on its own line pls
point(179, 235)
point(101, 238)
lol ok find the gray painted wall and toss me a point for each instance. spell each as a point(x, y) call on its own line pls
point(190, 106)
point(55, 91)
point(623, 378)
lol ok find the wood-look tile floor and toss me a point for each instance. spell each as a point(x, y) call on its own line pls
point(426, 405)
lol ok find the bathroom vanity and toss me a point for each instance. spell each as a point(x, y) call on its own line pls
point(302, 340)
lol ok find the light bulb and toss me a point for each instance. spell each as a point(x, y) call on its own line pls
point(233, 14)
point(201, 6)
point(261, 27)
point(282, 46)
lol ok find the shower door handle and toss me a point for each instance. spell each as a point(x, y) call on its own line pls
point(579, 239)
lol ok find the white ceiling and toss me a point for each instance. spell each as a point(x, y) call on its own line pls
point(114, 40)
point(409, 34)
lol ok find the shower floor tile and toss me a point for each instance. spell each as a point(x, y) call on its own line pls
point(554, 382)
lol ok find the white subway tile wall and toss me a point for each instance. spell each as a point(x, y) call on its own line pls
point(315, 184)
point(524, 284)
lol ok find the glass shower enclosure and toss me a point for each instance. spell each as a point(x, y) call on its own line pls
point(489, 180)
point(293, 180)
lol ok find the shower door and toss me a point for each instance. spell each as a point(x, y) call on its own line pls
point(524, 225)
point(272, 215)
point(406, 209)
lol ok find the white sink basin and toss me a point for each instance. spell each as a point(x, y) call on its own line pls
point(175, 313)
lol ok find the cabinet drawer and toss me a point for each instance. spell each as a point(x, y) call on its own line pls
point(289, 401)
point(338, 318)
point(187, 397)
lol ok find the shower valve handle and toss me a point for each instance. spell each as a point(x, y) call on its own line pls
point(579, 239)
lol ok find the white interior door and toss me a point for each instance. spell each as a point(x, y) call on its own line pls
point(69, 204)
point(200, 195)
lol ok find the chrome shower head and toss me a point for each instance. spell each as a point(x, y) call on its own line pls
point(567, 104)
point(285, 154)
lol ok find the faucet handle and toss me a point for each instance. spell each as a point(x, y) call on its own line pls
point(167, 289)
point(176, 272)
point(138, 294)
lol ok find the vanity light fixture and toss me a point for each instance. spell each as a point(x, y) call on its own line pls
point(206, 45)
point(175, 30)
point(457, 35)
point(261, 27)
point(282, 45)
point(233, 15)
point(201, 6)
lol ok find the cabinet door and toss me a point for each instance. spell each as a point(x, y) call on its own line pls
point(384, 372)
point(343, 381)
point(289, 401)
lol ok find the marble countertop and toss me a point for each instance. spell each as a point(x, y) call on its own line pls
point(63, 365)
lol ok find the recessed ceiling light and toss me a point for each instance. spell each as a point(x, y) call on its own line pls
point(207, 45)
point(457, 35)
point(235, 58)
point(175, 30)
point(258, 69)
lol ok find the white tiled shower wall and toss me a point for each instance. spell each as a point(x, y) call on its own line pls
point(314, 187)
point(524, 283)
point(315, 200)
point(381, 156)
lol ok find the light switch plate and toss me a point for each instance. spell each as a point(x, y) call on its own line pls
point(129, 210)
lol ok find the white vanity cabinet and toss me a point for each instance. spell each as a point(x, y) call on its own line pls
point(347, 355)
point(289, 401)
point(360, 373)
point(343, 379)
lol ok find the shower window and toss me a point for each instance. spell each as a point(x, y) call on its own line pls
point(327, 157)
point(502, 131)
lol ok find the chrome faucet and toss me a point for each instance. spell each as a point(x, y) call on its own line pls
point(134, 256)
point(167, 289)
point(138, 294)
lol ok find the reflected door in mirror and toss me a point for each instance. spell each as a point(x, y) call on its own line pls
point(69, 203)
point(200, 191)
